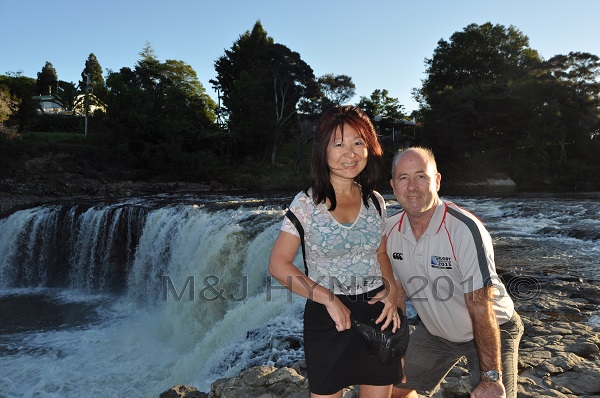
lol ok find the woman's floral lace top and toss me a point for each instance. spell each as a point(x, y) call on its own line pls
point(341, 258)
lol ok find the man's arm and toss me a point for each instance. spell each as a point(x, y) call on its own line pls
point(487, 339)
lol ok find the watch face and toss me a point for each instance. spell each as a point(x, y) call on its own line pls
point(491, 375)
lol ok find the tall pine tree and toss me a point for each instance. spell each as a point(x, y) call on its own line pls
point(47, 80)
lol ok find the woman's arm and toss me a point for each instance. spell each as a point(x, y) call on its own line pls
point(282, 268)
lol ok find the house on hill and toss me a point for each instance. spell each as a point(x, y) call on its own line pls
point(49, 104)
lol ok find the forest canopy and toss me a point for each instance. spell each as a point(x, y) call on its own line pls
point(489, 105)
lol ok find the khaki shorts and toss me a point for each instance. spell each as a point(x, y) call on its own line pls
point(429, 358)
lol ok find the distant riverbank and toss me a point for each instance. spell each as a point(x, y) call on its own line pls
point(17, 193)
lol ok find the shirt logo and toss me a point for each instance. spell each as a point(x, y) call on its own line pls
point(397, 256)
point(441, 262)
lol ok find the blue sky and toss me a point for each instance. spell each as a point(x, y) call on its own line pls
point(381, 44)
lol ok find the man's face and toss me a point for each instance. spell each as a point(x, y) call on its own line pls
point(415, 183)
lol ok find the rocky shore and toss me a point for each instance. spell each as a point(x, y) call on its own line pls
point(559, 352)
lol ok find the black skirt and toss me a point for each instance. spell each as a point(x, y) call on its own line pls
point(336, 360)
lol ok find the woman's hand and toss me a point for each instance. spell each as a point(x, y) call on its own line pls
point(339, 313)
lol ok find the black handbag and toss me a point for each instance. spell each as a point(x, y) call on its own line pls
point(387, 346)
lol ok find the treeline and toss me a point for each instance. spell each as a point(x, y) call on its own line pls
point(489, 105)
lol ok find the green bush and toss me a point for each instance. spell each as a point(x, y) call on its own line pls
point(11, 148)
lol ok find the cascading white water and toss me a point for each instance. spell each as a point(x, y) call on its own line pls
point(69, 246)
point(191, 303)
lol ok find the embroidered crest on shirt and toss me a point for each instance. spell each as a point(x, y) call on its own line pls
point(441, 262)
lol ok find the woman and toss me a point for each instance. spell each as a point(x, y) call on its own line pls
point(348, 268)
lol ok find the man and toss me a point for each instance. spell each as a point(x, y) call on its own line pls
point(443, 258)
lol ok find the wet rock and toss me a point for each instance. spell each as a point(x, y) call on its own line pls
point(181, 391)
point(262, 381)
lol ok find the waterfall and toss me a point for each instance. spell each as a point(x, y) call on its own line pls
point(179, 289)
point(132, 248)
point(79, 247)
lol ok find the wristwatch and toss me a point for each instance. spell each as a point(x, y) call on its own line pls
point(491, 375)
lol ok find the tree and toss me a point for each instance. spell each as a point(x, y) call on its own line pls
point(184, 98)
point(305, 134)
point(22, 89)
point(388, 117)
point(68, 97)
point(337, 89)
point(92, 82)
point(93, 72)
point(573, 86)
point(241, 73)
point(260, 83)
point(381, 104)
point(162, 113)
point(479, 55)
point(327, 91)
point(8, 104)
point(579, 74)
point(10, 145)
point(47, 80)
point(291, 80)
point(470, 98)
point(489, 104)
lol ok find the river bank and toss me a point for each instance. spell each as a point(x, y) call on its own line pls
point(15, 195)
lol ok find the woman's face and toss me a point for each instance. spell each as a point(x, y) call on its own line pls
point(348, 157)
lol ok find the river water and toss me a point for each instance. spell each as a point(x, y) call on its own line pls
point(131, 297)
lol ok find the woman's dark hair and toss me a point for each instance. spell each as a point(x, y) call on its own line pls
point(329, 121)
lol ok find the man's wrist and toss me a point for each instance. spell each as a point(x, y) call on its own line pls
point(491, 375)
